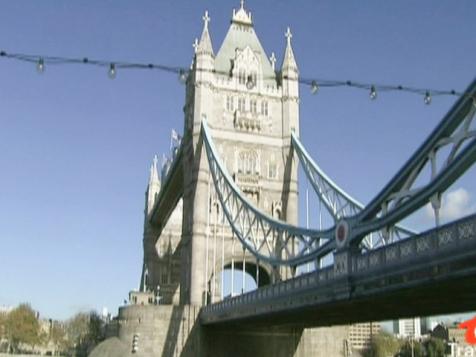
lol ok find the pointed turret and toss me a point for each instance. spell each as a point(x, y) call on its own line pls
point(289, 66)
point(290, 84)
point(204, 58)
point(153, 187)
point(205, 44)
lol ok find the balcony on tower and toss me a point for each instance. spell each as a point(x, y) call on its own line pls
point(249, 121)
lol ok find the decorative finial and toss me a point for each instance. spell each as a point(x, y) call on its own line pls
point(206, 19)
point(288, 35)
point(195, 45)
point(242, 4)
point(273, 60)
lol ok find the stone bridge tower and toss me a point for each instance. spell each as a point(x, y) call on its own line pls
point(251, 107)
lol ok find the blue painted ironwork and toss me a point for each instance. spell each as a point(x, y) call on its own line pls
point(283, 244)
point(338, 203)
point(268, 239)
point(401, 197)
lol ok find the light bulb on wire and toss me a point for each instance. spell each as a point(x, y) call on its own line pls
point(182, 76)
point(112, 71)
point(314, 87)
point(427, 98)
point(373, 93)
point(40, 66)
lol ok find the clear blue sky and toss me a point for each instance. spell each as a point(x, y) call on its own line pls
point(75, 146)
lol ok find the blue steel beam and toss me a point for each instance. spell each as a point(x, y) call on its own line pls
point(457, 114)
point(338, 202)
point(270, 240)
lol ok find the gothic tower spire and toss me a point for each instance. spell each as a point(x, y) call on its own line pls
point(205, 44)
point(153, 187)
point(289, 62)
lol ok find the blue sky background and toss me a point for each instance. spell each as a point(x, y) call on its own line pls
point(75, 146)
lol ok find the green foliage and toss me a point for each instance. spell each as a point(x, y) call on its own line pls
point(57, 336)
point(22, 327)
point(435, 347)
point(382, 345)
point(408, 346)
point(3, 318)
point(84, 330)
point(385, 345)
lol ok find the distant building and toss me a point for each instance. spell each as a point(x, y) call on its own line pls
point(428, 324)
point(5, 309)
point(360, 335)
point(141, 298)
point(454, 337)
point(407, 327)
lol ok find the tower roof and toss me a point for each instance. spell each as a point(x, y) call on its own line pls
point(240, 35)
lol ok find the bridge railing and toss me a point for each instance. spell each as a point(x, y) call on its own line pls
point(438, 240)
point(432, 241)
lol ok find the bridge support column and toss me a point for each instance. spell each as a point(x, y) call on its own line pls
point(194, 226)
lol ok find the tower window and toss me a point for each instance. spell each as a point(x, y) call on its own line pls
point(241, 104)
point(242, 76)
point(264, 108)
point(248, 163)
point(272, 170)
point(254, 77)
point(230, 105)
point(253, 106)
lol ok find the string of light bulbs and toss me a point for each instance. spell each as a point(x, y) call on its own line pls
point(313, 84)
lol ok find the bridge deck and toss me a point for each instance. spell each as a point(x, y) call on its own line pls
point(432, 273)
point(170, 193)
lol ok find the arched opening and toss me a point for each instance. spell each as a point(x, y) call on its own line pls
point(237, 280)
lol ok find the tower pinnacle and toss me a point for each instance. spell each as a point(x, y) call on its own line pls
point(288, 36)
point(205, 44)
point(241, 16)
point(289, 63)
point(272, 59)
point(206, 20)
point(154, 176)
point(195, 45)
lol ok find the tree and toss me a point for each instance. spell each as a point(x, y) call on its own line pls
point(3, 319)
point(382, 345)
point(22, 327)
point(85, 330)
point(412, 348)
point(435, 347)
point(58, 336)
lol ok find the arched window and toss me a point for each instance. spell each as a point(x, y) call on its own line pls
point(253, 106)
point(242, 76)
point(248, 163)
point(230, 105)
point(241, 105)
point(264, 108)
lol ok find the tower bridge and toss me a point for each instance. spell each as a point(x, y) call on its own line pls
point(228, 200)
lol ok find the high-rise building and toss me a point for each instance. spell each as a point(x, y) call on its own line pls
point(407, 327)
point(361, 334)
